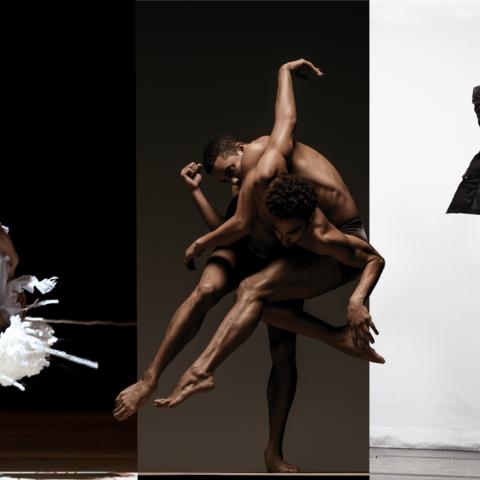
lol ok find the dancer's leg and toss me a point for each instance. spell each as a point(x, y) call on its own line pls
point(281, 389)
point(216, 281)
point(303, 323)
point(301, 274)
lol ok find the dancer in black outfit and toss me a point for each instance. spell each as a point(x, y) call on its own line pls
point(467, 196)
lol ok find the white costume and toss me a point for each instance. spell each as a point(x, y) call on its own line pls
point(26, 345)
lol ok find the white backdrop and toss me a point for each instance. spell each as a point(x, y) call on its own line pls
point(425, 61)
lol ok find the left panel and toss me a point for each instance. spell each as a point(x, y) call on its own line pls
point(68, 198)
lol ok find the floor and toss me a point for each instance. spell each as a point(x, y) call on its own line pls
point(61, 442)
point(108, 446)
point(406, 464)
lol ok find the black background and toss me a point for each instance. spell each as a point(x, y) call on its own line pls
point(68, 188)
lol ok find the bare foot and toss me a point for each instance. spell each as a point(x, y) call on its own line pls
point(364, 352)
point(276, 464)
point(193, 381)
point(133, 398)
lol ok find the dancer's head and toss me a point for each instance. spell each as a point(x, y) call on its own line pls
point(222, 157)
point(291, 201)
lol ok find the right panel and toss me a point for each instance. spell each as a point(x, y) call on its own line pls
point(424, 133)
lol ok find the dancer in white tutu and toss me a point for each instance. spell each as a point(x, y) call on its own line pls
point(25, 342)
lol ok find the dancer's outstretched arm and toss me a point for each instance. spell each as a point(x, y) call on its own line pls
point(324, 238)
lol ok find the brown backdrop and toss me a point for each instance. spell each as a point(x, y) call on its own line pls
point(204, 69)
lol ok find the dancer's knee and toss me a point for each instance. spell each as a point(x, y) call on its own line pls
point(205, 294)
point(250, 291)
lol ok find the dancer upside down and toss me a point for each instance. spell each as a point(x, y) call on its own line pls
point(295, 234)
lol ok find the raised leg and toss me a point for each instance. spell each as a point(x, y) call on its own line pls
point(301, 274)
point(303, 323)
point(216, 281)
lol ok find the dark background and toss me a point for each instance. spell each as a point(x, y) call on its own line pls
point(209, 68)
point(68, 190)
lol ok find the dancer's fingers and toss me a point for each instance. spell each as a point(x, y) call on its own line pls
point(314, 68)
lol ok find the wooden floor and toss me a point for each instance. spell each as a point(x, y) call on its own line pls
point(406, 464)
point(66, 442)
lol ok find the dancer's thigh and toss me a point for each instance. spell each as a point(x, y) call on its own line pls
point(300, 274)
point(219, 273)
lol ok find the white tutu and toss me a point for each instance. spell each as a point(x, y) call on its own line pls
point(26, 345)
point(24, 350)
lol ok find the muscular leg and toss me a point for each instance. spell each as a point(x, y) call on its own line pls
point(281, 389)
point(303, 323)
point(301, 274)
point(216, 281)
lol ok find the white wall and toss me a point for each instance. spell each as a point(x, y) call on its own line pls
point(425, 60)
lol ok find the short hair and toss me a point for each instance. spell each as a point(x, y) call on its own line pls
point(290, 196)
point(220, 145)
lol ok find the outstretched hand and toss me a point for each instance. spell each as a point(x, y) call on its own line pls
point(194, 250)
point(301, 67)
point(360, 321)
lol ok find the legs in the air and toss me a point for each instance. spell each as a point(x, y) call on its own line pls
point(303, 323)
point(185, 323)
point(301, 274)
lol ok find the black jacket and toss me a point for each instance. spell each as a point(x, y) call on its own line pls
point(467, 196)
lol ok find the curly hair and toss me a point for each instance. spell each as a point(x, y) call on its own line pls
point(290, 196)
point(220, 145)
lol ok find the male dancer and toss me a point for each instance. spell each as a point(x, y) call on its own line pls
point(298, 274)
point(133, 397)
point(226, 267)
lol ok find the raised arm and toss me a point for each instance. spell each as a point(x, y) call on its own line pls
point(192, 177)
point(281, 141)
point(325, 239)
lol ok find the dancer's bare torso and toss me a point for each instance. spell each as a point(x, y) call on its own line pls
point(334, 198)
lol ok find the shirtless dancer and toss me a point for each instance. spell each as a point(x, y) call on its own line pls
point(215, 283)
point(320, 254)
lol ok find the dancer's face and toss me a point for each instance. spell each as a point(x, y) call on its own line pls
point(289, 230)
point(227, 169)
